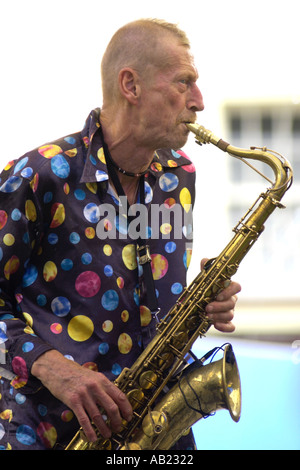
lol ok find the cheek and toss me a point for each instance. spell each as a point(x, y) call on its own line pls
point(173, 106)
point(163, 109)
point(177, 106)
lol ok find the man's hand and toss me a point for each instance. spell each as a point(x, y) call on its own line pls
point(221, 310)
point(83, 391)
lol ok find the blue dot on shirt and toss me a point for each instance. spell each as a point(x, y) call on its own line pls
point(79, 194)
point(41, 300)
point(176, 288)
point(116, 369)
point(86, 258)
point(70, 140)
point(110, 300)
point(27, 347)
point(25, 435)
point(74, 238)
point(108, 270)
point(103, 348)
point(16, 215)
point(66, 264)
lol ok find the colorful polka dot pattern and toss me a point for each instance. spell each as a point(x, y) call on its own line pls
point(63, 287)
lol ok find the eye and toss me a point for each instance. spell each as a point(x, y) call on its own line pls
point(186, 81)
point(183, 84)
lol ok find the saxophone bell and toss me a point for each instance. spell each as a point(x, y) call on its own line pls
point(200, 391)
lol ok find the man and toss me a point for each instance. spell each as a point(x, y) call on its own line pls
point(74, 306)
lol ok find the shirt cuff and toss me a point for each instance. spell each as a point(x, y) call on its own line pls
point(25, 352)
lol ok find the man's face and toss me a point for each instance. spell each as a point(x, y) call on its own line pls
point(170, 99)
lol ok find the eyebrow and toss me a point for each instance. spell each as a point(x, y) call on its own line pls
point(189, 72)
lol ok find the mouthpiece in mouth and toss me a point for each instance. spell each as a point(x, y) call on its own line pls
point(204, 136)
point(192, 127)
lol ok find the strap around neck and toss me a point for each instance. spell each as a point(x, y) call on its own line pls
point(143, 248)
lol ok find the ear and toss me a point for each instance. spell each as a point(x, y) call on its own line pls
point(129, 85)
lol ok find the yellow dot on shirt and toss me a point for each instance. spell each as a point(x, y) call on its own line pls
point(71, 153)
point(107, 250)
point(28, 318)
point(28, 330)
point(90, 233)
point(50, 150)
point(166, 228)
point(185, 199)
point(107, 326)
point(49, 271)
point(67, 416)
point(100, 155)
point(59, 215)
point(129, 256)
point(80, 328)
point(9, 165)
point(159, 266)
point(11, 266)
point(125, 316)
point(92, 187)
point(30, 210)
point(8, 239)
point(145, 315)
point(155, 166)
point(124, 343)
point(172, 163)
point(188, 256)
point(6, 414)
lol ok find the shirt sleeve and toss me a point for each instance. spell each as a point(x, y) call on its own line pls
point(20, 230)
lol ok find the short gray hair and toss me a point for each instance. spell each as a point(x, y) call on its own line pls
point(136, 45)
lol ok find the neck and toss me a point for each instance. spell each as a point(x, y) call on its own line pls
point(127, 152)
point(130, 187)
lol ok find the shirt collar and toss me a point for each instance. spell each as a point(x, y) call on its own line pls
point(95, 169)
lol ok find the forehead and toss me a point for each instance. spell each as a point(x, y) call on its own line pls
point(179, 60)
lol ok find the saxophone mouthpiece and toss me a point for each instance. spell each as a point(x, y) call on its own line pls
point(204, 136)
point(192, 127)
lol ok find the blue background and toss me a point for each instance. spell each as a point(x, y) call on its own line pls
point(270, 382)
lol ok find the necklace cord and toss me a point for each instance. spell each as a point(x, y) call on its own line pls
point(142, 248)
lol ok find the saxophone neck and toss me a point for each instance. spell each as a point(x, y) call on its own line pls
point(281, 167)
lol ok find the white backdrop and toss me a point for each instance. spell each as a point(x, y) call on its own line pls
point(51, 52)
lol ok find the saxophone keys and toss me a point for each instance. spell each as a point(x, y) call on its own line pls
point(232, 269)
point(148, 379)
point(165, 360)
point(192, 322)
point(135, 397)
point(179, 339)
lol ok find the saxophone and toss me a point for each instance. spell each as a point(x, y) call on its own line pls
point(199, 390)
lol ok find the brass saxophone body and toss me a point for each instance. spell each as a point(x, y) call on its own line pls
point(160, 418)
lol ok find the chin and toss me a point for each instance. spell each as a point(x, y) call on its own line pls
point(174, 138)
point(179, 142)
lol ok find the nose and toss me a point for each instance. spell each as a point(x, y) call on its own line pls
point(195, 102)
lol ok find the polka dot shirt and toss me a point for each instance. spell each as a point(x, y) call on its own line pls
point(69, 273)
